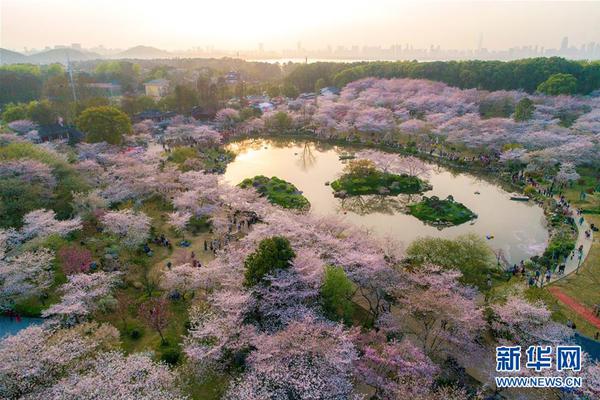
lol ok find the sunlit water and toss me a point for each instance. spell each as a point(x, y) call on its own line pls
point(517, 227)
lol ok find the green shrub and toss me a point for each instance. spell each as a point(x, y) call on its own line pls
point(272, 254)
point(336, 294)
point(171, 356)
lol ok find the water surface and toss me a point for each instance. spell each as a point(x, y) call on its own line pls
point(518, 228)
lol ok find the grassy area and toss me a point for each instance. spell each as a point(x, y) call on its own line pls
point(277, 191)
point(434, 211)
point(378, 182)
point(585, 285)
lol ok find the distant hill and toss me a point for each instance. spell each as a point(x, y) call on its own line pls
point(143, 52)
point(12, 57)
point(61, 56)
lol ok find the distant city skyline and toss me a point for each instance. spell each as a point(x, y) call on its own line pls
point(406, 51)
point(241, 26)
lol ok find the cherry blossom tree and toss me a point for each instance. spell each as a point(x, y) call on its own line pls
point(75, 259)
point(113, 376)
point(36, 358)
point(42, 223)
point(218, 332)
point(520, 321)
point(394, 369)
point(567, 173)
point(227, 117)
point(29, 171)
point(81, 295)
point(132, 227)
point(393, 163)
point(157, 314)
point(182, 278)
point(307, 360)
point(179, 220)
point(24, 275)
point(192, 135)
point(442, 311)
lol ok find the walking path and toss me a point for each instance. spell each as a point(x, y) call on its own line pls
point(579, 308)
point(572, 263)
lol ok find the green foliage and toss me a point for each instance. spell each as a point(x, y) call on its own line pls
point(272, 254)
point(290, 90)
point(278, 191)
point(104, 124)
point(561, 244)
point(441, 212)
point(20, 83)
point(180, 154)
point(524, 109)
point(336, 294)
point(280, 122)
point(361, 178)
point(41, 112)
point(171, 356)
point(215, 159)
point(18, 197)
point(182, 100)
point(558, 84)
point(497, 109)
point(524, 74)
point(126, 73)
point(132, 105)
point(467, 253)
point(249, 112)
point(13, 112)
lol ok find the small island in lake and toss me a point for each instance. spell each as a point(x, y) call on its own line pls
point(361, 177)
point(435, 211)
point(277, 191)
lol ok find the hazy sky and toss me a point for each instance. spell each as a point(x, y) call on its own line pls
point(242, 24)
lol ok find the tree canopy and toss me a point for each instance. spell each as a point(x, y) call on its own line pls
point(104, 124)
point(272, 254)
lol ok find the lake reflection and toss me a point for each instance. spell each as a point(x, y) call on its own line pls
point(517, 227)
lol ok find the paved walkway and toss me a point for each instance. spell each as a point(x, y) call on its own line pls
point(572, 263)
point(576, 306)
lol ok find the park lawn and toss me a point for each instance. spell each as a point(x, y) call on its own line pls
point(560, 312)
point(277, 191)
point(379, 183)
point(212, 387)
point(446, 212)
point(585, 285)
point(140, 282)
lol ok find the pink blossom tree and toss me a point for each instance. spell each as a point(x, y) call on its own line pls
point(42, 223)
point(112, 375)
point(182, 278)
point(442, 311)
point(179, 220)
point(36, 358)
point(394, 369)
point(75, 259)
point(307, 360)
point(157, 314)
point(227, 118)
point(132, 227)
point(520, 321)
point(27, 274)
point(81, 295)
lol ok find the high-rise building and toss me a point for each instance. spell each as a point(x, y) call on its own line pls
point(564, 44)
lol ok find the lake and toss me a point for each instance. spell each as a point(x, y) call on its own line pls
point(518, 228)
point(10, 326)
